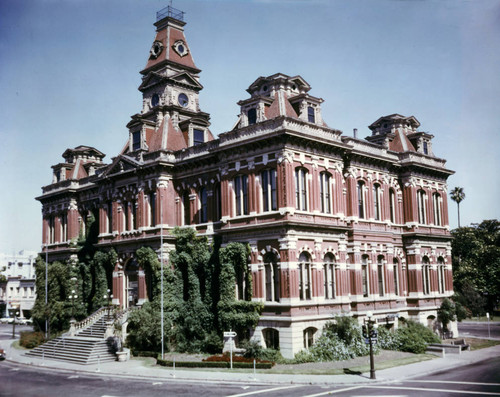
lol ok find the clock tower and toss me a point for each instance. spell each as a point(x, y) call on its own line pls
point(171, 118)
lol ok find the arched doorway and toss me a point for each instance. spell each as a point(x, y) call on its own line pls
point(131, 283)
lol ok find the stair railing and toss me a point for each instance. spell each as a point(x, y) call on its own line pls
point(90, 320)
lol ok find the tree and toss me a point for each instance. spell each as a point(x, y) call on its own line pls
point(458, 195)
point(476, 265)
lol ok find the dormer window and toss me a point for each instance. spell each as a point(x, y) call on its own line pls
point(426, 148)
point(252, 116)
point(311, 117)
point(155, 100)
point(198, 137)
point(136, 140)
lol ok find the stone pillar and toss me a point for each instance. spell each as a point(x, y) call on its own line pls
point(285, 177)
point(118, 292)
point(410, 208)
point(45, 231)
point(252, 194)
point(142, 290)
point(352, 197)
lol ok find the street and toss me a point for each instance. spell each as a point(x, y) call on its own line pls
point(6, 330)
point(15, 380)
point(479, 330)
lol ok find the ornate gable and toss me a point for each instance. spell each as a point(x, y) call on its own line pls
point(121, 164)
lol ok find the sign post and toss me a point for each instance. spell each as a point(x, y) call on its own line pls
point(488, 317)
point(230, 335)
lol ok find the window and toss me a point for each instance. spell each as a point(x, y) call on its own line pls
point(301, 189)
point(51, 226)
point(304, 276)
point(155, 100)
point(125, 216)
point(133, 213)
point(311, 117)
point(329, 276)
point(203, 205)
point(187, 208)
point(241, 283)
point(436, 199)
point(421, 203)
point(241, 194)
point(64, 227)
point(380, 275)
point(136, 140)
point(217, 202)
point(364, 276)
point(309, 337)
point(152, 208)
point(252, 116)
point(361, 200)
point(271, 338)
point(269, 190)
point(426, 275)
point(198, 137)
point(396, 275)
point(324, 192)
point(441, 275)
point(109, 211)
point(426, 148)
point(272, 275)
point(392, 205)
point(376, 202)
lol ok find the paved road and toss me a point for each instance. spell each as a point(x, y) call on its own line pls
point(6, 330)
point(481, 378)
point(479, 329)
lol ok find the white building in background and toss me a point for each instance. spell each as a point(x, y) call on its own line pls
point(18, 292)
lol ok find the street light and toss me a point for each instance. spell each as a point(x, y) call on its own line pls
point(73, 297)
point(108, 296)
point(14, 325)
point(370, 334)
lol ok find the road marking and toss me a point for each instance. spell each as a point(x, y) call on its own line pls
point(483, 393)
point(454, 382)
point(73, 377)
point(334, 391)
point(14, 369)
point(264, 391)
point(157, 383)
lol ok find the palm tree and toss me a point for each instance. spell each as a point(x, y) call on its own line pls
point(457, 195)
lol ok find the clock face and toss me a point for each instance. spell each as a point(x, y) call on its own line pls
point(183, 100)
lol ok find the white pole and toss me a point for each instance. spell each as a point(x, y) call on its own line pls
point(231, 350)
point(488, 316)
point(46, 287)
point(161, 275)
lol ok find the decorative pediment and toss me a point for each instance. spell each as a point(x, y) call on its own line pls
point(121, 164)
point(151, 80)
point(187, 79)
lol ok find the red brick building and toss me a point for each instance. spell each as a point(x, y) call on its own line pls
point(336, 224)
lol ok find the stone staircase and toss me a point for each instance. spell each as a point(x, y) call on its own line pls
point(87, 346)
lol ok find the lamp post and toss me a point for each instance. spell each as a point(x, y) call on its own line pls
point(161, 275)
point(108, 296)
point(370, 334)
point(46, 290)
point(14, 325)
point(73, 296)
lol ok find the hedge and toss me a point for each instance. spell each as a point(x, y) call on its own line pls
point(212, 364)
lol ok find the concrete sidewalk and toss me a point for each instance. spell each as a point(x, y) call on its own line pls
point(139, 370)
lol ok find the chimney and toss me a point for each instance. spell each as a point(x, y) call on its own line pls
point(355, 133)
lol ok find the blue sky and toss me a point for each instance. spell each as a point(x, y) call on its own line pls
point(69, 72)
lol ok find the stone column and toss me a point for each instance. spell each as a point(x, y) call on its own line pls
point(141, 290)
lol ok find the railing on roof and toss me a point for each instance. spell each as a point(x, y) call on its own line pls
point(170, 11)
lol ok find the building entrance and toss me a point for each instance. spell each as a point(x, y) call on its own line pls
point(131, 284)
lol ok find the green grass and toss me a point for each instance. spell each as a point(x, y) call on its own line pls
point(481, 319)
point(476, 344)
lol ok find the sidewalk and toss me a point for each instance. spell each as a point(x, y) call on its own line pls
point(138, 369)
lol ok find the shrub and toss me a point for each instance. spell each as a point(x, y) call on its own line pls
point(412, 337)
point(253, 349)
point(304, 356)
point(272, 355)
point(30, 339)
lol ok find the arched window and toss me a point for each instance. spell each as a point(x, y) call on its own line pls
point(329, 276)
point(392, 205)
point(252, 116)
point(309, 334)
point(364, 276)
point(380, 275)
point(436, 200)
point(395, 267)
point(152, 208)
point(187, 208)
point(426, 275)
point(269, 201)
point(324, 192)
point(311, 116)
point(203, 205)
point(241, 194)
point(361, 200)
point(272, 275)
point(271, 338)
point(301, 189)
point(421, 203)
point(441, 275)
point(376, 202)
point(126, 224)
point(305, 276)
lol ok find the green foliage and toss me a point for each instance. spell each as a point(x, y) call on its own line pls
point(450, 311)
point(30, 339)
point(253, 349)
point(476, 266)
point(411, 337)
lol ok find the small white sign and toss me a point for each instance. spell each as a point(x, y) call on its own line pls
point(229, 334)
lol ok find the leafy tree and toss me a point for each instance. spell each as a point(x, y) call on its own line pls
point(458, 195)
point(450, 311)
point(476, 265)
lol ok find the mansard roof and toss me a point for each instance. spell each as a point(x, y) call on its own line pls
point(83, 151)
point(393, 118)
point(279, 78)
point(183, 78)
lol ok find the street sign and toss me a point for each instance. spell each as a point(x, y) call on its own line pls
point(229, 334)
